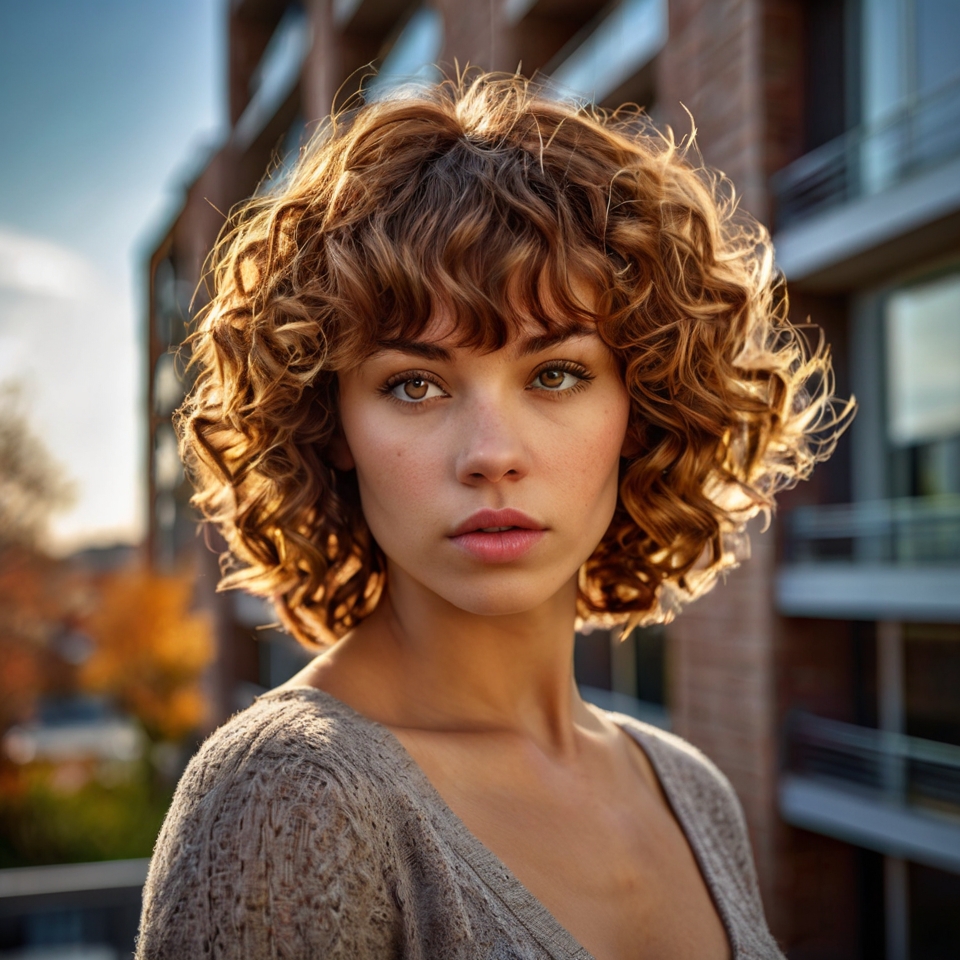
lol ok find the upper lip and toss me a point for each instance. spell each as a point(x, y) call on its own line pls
point(484, 519)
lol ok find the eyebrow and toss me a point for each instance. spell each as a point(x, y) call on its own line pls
point(547, 340)
point(528, 346)
point(419, 348)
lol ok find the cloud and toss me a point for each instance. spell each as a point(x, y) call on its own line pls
point(32, 265)
point(69, 337)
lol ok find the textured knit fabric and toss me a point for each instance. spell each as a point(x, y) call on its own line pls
point(302, 829)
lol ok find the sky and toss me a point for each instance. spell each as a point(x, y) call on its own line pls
point(107, 107)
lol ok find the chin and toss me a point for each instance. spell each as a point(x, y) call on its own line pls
point(500, 599)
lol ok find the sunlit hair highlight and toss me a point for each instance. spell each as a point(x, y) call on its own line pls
point(487, 198)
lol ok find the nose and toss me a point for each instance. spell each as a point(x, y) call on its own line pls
point(492, 446)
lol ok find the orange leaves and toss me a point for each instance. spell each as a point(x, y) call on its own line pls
point(151, 648)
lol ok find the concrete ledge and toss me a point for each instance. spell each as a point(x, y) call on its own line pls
point(869, 822)
point(73, 877)
point(833, 249)
point(853, 591)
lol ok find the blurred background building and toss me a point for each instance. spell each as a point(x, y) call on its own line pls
point(824, 677)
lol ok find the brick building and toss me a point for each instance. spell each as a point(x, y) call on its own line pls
point(824, 676)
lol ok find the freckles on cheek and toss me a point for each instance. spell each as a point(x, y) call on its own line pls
point(393, 470)
point(598, 455)
point(606, 438)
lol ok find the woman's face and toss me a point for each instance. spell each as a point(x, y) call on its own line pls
point(487, 478)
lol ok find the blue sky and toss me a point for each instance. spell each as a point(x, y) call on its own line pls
point(106, 107)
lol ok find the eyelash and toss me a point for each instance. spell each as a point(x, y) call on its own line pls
point(583, 375)
point(566, 366)
point(397, 379)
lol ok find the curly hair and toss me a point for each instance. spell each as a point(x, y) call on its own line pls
point(481, 195)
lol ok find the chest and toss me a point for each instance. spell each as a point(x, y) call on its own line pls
point(603, 854)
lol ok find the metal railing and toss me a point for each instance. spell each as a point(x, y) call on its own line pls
point(869, 159)
point(896, 768)
point(913, 530)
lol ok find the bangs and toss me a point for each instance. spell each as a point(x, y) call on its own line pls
point(471, 234)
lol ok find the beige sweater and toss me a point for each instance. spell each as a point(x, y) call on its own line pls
point(302, 829)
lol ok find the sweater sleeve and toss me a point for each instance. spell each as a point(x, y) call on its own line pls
point(266, 852)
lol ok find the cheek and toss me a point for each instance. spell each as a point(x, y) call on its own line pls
point(394, 476)
point(597, 449)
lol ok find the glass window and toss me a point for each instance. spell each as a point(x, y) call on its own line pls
point(937, 26)
point(167, 468)
point(909, 50)
point(910, 90)
point(923, 362)
point(283, 58)
point(885, 77)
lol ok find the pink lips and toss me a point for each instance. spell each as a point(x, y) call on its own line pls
point(500, 546)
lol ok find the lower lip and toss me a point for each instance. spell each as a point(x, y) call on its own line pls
point(500, 547)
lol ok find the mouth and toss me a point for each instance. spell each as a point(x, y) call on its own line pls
point(497, 521)
point(498, 536)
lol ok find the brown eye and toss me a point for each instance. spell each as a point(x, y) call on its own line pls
point(415, 389)
point(551, 379)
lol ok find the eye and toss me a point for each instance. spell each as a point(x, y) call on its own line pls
point(414, 389)
point(560, 378)
point(554, 379)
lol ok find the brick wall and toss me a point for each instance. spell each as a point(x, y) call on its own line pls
point(474, 34)
point(712, 65)
point(736, 65)
point(722, 692)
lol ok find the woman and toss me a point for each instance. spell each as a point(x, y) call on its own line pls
point(484, 365)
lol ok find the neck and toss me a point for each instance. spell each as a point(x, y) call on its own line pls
point(421, 662)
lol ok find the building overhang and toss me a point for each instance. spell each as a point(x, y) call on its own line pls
point(864, 240)
point(866, 591)
point(866, 821)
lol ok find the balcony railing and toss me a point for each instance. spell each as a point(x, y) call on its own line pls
point(870, 159)
point(909, 531)
point(895, 768)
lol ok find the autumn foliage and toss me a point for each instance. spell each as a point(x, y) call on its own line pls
point(99, 622)
point(129, 635)
point(150, 651)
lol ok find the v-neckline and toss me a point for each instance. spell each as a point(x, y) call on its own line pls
point(493, 873)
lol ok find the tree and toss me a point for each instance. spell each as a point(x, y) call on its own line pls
point(32, 484)
point(150, 650)
point(32, 487)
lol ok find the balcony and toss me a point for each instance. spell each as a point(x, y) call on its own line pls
point(869, 160)
point(879, 560)
point(845, 211)
point(887, 792)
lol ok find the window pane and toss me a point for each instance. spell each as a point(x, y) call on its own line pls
point(923, 362)
point(884, 67)
point(938, 43)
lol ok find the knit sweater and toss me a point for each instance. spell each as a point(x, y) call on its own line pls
point(302, 829)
